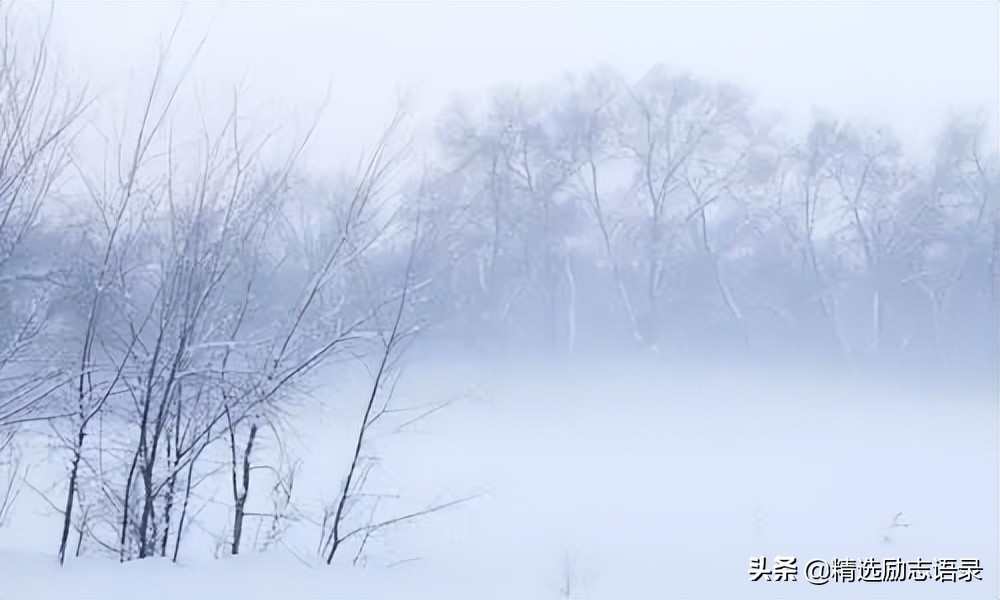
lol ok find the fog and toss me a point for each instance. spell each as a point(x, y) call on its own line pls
point(499, 300)
point(906, 66)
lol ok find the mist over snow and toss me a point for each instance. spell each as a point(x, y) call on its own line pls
point(500, 300)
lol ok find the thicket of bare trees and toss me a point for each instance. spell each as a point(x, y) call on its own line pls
point(162, 309)
point(202, 301)
point(171, 316)
point(38, 120)
point(666, 214)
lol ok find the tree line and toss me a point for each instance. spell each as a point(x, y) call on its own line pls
point(671, 214)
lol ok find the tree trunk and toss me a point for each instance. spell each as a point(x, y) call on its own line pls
point(128, 490)
point(70, 494)
point(240, 498)
point(184, 507)
point(147, 510)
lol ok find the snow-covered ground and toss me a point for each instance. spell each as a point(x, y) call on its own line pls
point(602, 480)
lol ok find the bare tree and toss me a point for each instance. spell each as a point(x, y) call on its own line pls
point(122, 203)
point(39, 118)
point(679, 119)
point(392, 340)
point(326, 315)
point(953, 226)
point(38, 122)
point(594, 109)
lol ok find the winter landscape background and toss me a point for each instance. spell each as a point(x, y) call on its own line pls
point(340, 300)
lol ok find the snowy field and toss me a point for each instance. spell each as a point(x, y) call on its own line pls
point(603, 480)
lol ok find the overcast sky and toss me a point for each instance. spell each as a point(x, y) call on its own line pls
point(906, 64)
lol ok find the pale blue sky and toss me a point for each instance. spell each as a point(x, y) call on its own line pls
point(906, 64)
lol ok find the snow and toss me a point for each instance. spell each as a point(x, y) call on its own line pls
point(620, 478)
